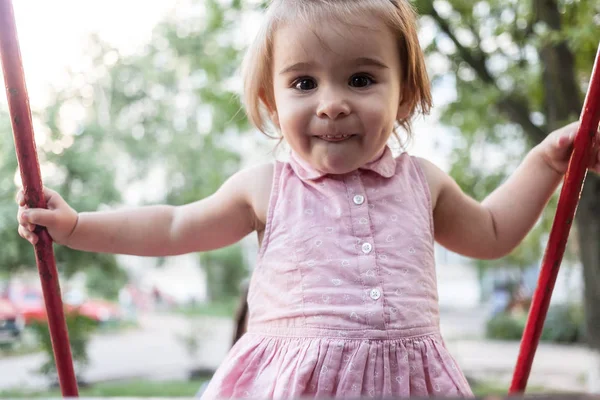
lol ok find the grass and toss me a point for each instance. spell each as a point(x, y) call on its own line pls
point(135, 388)
point(494, 388)
point(485, 389)
point(144, 388)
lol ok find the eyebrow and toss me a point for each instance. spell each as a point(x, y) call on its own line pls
point(359, 62)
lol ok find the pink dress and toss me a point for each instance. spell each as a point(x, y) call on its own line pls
point(343, 300)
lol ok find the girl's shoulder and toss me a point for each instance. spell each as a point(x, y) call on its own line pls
point(435, 177)
point(256, 182)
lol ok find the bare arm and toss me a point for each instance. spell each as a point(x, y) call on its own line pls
point(216, 221)
point(494, 227)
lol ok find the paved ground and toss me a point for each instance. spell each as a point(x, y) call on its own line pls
point(156, 350)
point(153, 351)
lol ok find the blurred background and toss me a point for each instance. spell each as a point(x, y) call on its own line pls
point(137, 102)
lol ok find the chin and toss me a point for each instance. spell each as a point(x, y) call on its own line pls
point(338, 168)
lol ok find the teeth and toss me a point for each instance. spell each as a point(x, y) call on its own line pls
point(336, 136)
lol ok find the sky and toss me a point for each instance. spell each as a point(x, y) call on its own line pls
point(52, 36)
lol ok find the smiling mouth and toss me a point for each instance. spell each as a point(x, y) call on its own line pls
point(334, 138)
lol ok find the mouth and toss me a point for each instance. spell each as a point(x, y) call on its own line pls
point(334, 138)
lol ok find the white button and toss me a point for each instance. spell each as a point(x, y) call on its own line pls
point(375, 294)
point(358, 199)
point(366, 248)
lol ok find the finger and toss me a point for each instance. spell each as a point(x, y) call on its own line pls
point(596, 166)
point(573, 125)
point(20, 198)
point(570, 129)
point(23, 232)
point(565, 140)
point(38, 216)
point(21, 218)
point(49, 195)
point(29, 236)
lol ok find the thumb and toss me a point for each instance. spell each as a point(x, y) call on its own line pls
point(53, 199)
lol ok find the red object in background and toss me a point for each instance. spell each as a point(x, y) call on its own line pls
point(20, 116)
point(98, 310)
point(29, 302)
point(7, 309)
point(567, 204)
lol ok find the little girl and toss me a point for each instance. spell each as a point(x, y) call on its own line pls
point(343, 300)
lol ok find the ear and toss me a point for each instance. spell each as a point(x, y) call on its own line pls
point(271, 109)
point(404, 109)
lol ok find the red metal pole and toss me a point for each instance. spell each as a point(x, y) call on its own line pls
point(567, 204)
point(20, 115)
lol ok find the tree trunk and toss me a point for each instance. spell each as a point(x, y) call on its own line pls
point(563, 103)
point(588, 227)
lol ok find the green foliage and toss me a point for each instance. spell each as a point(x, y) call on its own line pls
point(165, 118)
point(105, 284)
point(15, 251)
point(505, 327)
point(178, 96)
point(80, 330)
point(131, 389)
point(492, 52)
point(82, 173)
point(564, 324)
point(225, 271)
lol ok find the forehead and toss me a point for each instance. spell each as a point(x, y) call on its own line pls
point(331, 40)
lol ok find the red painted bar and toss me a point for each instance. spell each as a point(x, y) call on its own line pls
point(20, 114)
point(565, 212)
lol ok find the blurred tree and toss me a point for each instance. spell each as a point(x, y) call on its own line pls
point(173, 114)
point(520, 69)
point(160, 125)
point(15, 251)
point(80, 329)
point(76, 166)
point(224, 273)
point(168, 117)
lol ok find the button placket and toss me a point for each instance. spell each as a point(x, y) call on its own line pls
point(367, 261)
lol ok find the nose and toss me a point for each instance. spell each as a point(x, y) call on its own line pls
point(332, 104)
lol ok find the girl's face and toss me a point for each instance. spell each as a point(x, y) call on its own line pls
point(337, 91)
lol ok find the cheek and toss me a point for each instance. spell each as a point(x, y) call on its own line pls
point(293, 113)
point(381, 110)
point(378, 115)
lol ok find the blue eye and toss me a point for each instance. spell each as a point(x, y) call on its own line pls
point(360, 81)
point(305, 84)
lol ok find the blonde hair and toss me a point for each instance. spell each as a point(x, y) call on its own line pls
point(397, 15)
